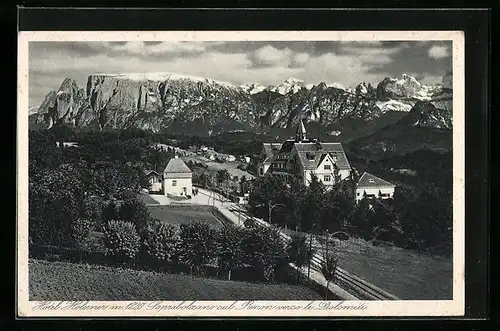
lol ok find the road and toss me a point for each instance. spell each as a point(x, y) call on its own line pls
point(237, 214)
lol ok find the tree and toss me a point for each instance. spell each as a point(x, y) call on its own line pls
point(312, 206)
point(222, 176)
point(53, 208)
point(329, 271)
point(361, 219)
point(383, 220)
point(197, 246)
point(427, 223)
point(298, 252)
point(267, 189)
point(263, 249)
point(134, 210)
point(229, 252)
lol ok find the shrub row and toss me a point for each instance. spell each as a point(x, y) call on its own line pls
point(197, 248)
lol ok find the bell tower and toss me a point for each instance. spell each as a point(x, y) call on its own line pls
point(300, 134)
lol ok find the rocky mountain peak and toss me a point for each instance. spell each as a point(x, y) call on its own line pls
point(289, 85)
point(252, 88)
point(157, 101)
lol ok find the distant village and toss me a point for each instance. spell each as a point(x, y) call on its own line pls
point(301, 157)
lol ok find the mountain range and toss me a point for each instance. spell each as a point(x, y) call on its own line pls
point(188, 104)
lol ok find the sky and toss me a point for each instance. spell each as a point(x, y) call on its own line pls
point(265, 62)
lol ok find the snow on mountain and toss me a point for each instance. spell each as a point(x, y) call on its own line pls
point(253, 88)
point(160, 100)
point(404, 87)
point(427, 92)
point(336, 85)
point(393, 105)
point(292, 85)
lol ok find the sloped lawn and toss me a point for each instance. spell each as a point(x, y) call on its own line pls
point(177, 215)
point(57, 281)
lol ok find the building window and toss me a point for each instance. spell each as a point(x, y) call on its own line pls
point(327, 178)
point(327, 167)
point(261, 171)
point(357, 194)
point(174, 183)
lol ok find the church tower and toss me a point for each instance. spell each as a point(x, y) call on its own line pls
point(300, 134)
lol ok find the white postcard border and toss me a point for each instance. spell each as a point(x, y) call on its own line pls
point(455, 307)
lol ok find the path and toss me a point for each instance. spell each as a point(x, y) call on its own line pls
point(237, 214)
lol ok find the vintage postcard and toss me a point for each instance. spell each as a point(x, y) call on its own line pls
point(241, 173)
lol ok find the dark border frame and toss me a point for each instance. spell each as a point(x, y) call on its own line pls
point(475, 23)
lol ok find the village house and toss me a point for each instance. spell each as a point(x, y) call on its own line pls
point(302, 158)
point(155, 180)
point(212, 156)
point(66, 144)
point(230, 158)
point(370, 186)
point(177, 178)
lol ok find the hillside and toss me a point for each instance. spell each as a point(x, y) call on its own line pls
point(424, 127)
point(53, 281)
point(203, 106)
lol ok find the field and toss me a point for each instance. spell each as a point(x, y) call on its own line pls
point(177, 215)
point(407, 274)
point(231, 167)
point(147, 199)
point(54, 281)
point(404, 273)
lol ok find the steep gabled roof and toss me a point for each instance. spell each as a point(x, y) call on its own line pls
point(176, 165)
point(149, 172)
point(369, 180)
point(320, 151)
point(270, 150)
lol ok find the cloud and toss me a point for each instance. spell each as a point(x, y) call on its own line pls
point(299, 60)
point(264, 62)
point(438, 52)
point(271, 56)
point(372, 55)
point(344, 69)
point(158, 48)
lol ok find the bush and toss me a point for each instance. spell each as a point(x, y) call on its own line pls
point(121, 240)
point(197, 245)
point(93, 211)
point(80, 230)
point(160, 243)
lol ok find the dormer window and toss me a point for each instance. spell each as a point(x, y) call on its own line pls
point(371, 181)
